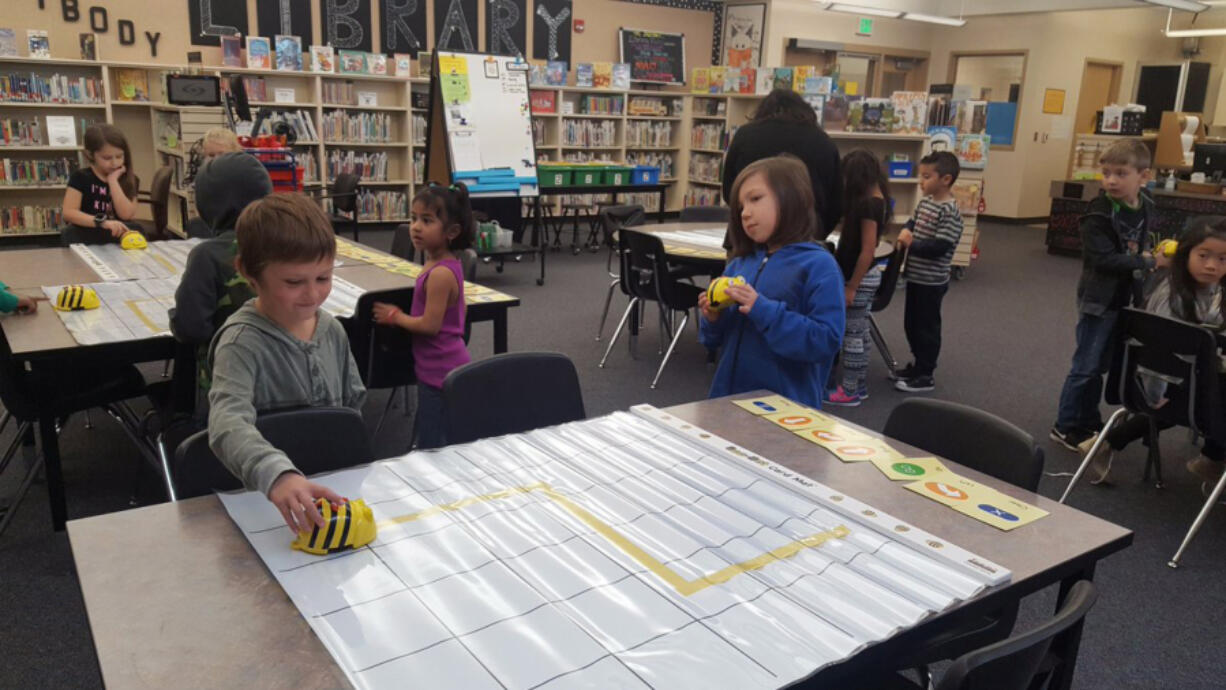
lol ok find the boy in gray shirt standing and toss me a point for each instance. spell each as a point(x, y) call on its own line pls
point(280, 351)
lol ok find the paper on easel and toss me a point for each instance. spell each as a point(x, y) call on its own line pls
point(980, 502)
point(465, 151)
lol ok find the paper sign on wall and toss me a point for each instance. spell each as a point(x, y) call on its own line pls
point(283, 95)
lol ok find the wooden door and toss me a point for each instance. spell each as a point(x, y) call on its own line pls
point(1100, 86)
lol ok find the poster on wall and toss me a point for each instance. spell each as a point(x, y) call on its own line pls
point(744, 29)
point(551, 30)
point(345, 24)
point(209, 20)
point(285, 17)
point(404, 26)
point(455, 25)
point(506, 27)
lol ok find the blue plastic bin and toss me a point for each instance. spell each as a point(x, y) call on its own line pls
point(645, 174)
point(900, 169)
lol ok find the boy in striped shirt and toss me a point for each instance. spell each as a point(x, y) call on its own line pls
point(931, 237)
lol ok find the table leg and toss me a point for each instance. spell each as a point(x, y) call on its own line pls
point(1067, 643)
point(55, 472)
point(660, 208)
point(540, 245)
point(500, 331)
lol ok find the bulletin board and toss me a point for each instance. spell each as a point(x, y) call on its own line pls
point(480, 130)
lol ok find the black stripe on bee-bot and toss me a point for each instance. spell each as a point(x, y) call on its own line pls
point(347, 513)
point(327, 542)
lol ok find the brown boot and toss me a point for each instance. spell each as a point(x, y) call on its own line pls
point(1100, 464)
point(1208, 470)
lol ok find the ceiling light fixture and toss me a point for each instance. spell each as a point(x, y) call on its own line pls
point(857, 9)
point(1189, 33)
point(934, 19)
point(1185, 5)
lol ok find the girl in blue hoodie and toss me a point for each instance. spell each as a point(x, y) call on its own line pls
point(787, 324)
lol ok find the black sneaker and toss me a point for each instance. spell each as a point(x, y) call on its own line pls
point(1070, 439)
point(904, 373)
point(916, 384)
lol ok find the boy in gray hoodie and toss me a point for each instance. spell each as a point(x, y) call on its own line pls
point(280, 351)
point(211, 289)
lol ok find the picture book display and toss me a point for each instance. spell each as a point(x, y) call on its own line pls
point(973, 150)
point(38, 43)
point(352, 61)
point(89, 46)
point(942, 138)
point(425, 63)
point(719, 79)
point(259, 53)
point(621, 75)
point(910, 111)
point(555, 73)
point(403, 63)
point(8, 42)
point(231, 51)
point(376, 63)
point(602, 75)
point(131, 84)
point(585, 75)
point(700, 81)
point(323, 59)
point(289, 53)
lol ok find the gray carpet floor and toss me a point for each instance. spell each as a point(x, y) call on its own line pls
point(1008, 338)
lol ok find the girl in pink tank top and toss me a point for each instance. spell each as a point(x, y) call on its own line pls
point(441, 224)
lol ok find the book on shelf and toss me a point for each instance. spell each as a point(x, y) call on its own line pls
point(376, 63)
point(621, 75)
point(817, 85)
point(602, 75)
point(732, 80)
point(747, 81)
point(910, 111)
point(973, 151)
point(719, 77)
point(941, 138)
point(700, 80)
point(289, 53)
point(536, 76)
point(231, 51)
point(967, 191)
point(783, 78)
point(323, 59)
point(971, 117)
point(56, 88)
point(871, 115)
point(818, 103)
point(20, 220)
point(543, 102)
point(425, 63)
point(259, 53)
point(584, 74)
point(8, 42)
point(38, 43)
point(351, 61)
point(131, 84)
point(765, 81)
point(404, 64)
point(36, 172)
point(555, 73)
point(256, 87)
point(835, 112)
point(89, 46)
point(800, 73)
point(61, 130)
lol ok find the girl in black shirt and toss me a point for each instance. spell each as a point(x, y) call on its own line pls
point(102, 196)
point(868, 207)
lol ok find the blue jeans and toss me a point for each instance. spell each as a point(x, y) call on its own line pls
point(1084, 386)
point(431, 432)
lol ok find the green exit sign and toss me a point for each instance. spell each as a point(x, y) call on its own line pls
point(866, 27)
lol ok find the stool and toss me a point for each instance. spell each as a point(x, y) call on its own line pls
point(573, 210)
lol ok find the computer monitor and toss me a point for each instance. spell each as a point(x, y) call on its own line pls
point(1210, 159)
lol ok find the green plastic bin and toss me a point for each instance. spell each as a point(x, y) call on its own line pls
point(617, 174)
point(587, 175)
point(554, 175)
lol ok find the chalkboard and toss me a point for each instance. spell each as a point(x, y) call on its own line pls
point(653, 57)
point(480, 104)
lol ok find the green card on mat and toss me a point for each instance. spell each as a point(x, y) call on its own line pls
point(911, 468)
point(768, 405)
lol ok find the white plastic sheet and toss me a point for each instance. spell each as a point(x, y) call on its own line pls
point(623, 551)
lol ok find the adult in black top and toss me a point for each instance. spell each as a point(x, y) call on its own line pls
point(784, 123)
point(851, 239)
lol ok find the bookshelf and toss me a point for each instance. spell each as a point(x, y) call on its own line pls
point(160, 134)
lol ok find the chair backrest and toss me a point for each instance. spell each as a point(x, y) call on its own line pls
point(889, 278)
point(705, 214)
point(510, 393)
point(612, 220)
point(468, 261)
point(344, 192)
point(1158, 358)
point(970, 437)
point(159, 196)
point(315, 439)
point(649, 263)
point(402, 242)
point(1017, 662)
point(384, 354)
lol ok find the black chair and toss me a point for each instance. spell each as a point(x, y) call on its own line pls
point(509, 394)
point(983, 442)
point(1185, 358)
point(612, 220)
point(402, 243)
point(315, 439)
point(384, 354)
point(159, 200)
point(49, 392)
point(1021, 662)
point(344, 196)
point(705, 214)
point(885, 293)
point(647, 277)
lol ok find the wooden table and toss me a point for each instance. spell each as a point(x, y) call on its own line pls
point(174, 591)
point(42, 339)
point(697, 252)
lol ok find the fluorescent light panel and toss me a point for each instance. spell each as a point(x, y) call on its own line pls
point(933, 19)
point(856, 9)
point(1185, 5)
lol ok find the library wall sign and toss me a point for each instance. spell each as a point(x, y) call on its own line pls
point(100, 22)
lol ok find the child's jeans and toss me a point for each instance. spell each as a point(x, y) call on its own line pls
point(1083, 388)
point(922, 324)
point(430, 425)
point(857, 335)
